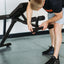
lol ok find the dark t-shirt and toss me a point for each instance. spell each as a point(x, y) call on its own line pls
point(63, 3)
point(53, 6)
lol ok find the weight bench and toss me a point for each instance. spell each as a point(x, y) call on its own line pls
point(15, 14)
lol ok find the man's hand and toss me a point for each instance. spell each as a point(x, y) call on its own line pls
point(45, 25)
point(30, 28)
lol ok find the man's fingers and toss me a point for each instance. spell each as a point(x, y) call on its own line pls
point(31, 30)
point(40, 26)
point(34, 33)
point(44, 28)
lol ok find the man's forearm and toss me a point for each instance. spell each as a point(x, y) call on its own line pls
point(54, 19)
point(57, 17)
point(29, 14)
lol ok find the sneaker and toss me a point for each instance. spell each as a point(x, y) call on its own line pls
point(53, 60)
point(49, 51)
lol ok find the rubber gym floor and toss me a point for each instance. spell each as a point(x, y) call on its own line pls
point(28, 50)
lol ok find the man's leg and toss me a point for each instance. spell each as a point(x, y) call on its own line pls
point(58, 38)
point(52, 35)
point(50, 51)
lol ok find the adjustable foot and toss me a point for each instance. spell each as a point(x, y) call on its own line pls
point(7, 45)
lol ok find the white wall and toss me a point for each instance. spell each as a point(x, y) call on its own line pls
point(2, 12)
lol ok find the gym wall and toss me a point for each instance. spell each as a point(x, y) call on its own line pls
point(7, 6)
point(2, 12)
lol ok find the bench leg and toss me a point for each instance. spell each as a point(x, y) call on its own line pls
point(6, 35)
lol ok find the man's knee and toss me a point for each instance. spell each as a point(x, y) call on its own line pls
point(57, 27)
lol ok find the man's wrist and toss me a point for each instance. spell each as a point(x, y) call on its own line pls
point(28, 24)
point(48, 22)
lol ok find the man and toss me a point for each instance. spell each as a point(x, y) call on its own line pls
point(55, 14)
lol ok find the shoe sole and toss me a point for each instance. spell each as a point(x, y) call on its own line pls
point(57, 62)
point(48, 54)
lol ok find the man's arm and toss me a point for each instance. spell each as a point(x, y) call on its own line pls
point(29, 14)
point(57, 17)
